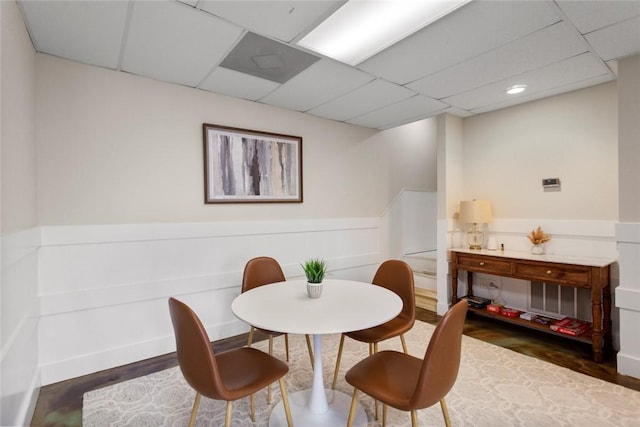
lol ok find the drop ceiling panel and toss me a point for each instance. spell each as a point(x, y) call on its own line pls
point(412, 109)
point(555, 90)
point(321, 82)
point(459, 112)
point(192, 3)
point(471, 30)
point(88, 32)
point(617, 41)
point(467, 58)
point(581, 67)
point(535, 50)
point(172, 42)
point(236, 84)
point(282, 20)
point(370, 97)
point(589, 16)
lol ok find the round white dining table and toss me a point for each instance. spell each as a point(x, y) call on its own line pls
point(344, 306)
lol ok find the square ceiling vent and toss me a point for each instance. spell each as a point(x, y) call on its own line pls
point(268, 59)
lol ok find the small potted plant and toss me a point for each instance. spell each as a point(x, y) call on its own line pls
point(315, 269)
point(538, 238)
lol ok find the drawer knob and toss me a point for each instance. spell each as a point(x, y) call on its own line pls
point(482, 263)
point(548, 271)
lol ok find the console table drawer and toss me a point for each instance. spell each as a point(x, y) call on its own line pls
point(484, 264)
point(548, 273)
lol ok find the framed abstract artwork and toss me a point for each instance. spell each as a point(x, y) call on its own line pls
point(248, 166)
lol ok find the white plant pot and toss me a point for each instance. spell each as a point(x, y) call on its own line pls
point(314, 290)
point(537, 249)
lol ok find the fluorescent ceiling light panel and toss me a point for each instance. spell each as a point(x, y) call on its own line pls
point(362, 28)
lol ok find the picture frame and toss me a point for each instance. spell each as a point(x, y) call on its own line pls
point(250, 166)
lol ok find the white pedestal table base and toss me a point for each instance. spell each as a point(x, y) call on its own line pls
point(336, 415)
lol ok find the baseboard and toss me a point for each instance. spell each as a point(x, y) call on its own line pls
point(628, 365)
point(426, 299)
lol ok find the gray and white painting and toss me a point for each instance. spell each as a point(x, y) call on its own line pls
point(243, 166)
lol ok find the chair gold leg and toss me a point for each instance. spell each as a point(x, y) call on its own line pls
point(373, 349)
point(310, 349)
point(335, 373)
point(404, 344)
point(414, 419)
point(227, 418)
point(384, 415)
point(270, 354)
point(375, 409)
point(445, 413)
point(250, 339)
point(252, 408)
point(352, 411)
point(285, 402)
point(194, 410)
point(286, 345)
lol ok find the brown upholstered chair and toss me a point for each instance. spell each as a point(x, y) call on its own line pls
point(396, 276)
point(230, 375)
point(408, 383)
point(263, 271)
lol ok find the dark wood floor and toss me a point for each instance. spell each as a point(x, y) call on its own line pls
point(60, 404)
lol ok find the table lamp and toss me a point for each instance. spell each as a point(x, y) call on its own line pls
point(475, 212)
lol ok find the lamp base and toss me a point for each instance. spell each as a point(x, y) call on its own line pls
point(475, 239)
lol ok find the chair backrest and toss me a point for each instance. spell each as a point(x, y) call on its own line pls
point(397, 276)
point(261, 271)
point(195, 354)
point(442, 358)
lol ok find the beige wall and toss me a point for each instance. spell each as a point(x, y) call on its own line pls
point(571, 136)
point(629, 124)
point(18, 124)
point(116, 148)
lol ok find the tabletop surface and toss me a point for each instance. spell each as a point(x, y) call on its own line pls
point(563, 259)
point(344, 306)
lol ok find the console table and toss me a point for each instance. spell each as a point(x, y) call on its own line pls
point(591, 273)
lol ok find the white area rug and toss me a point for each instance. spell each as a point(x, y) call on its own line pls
point(495, 387)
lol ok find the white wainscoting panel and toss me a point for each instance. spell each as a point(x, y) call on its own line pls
point(627, 297)
point(20, 375)
point(104, 288)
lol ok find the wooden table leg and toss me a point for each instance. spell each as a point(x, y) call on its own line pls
point(596, 317)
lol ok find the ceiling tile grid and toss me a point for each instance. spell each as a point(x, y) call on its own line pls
point(175, 43)
point(616, 41)
point(236, 84)
point(461, 64)
point(281, 20)
point(576, 69)
point(589, 16)
point(318, 84)
point(406, 111)
point(533, 51)
point(88, 32)
point(367, 98)
point(469, 31)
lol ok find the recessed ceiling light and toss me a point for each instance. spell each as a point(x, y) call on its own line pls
point(360, 29)
point(516, 89)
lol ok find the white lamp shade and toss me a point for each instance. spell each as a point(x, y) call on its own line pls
point(475, 212)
